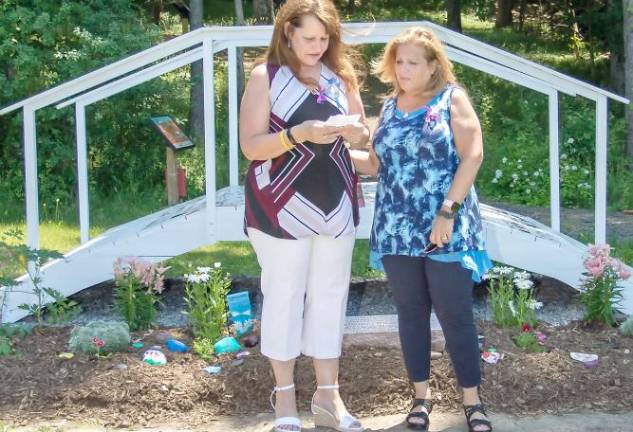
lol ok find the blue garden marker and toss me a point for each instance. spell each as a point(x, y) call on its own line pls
point(240, 312)
point(226, 345)
point(174, 345)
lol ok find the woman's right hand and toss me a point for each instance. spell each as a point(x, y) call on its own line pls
point(316, 132)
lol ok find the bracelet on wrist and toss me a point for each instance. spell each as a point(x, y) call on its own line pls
point(284, 142)
point(291, 137)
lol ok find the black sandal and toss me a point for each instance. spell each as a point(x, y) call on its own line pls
point(469, 410)
point(426, 403)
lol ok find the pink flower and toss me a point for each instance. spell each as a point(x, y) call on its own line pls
point(99, 343)
point(595, 266)
point(600, 250)
point(624, 273)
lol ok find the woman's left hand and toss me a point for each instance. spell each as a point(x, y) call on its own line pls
point(355, 133)
point(442, 231)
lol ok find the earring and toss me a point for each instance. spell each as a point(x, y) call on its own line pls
point(289, 46)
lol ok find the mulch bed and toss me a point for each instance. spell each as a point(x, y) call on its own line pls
point(36, 385)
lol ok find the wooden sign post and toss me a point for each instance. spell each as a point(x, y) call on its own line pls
point(176, 140)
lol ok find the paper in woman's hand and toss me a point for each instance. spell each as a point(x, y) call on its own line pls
point(342, 120)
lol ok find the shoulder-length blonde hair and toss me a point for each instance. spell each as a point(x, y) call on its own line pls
point(433, 50)
point(340, 58)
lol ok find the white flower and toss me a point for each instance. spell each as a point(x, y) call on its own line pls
point(217, 265)
point(494, 180)
point(528, 191)
point(511, 306)
point(515, 176)
point(532, 184)
point(524, 284)
point(574, 167)
point(498, 173)
point(536, 174)
point(563, 156)
point(203, 270)
point(504, 159)
point(535, 305)
point(193, 278)
point(502, 270)
point(570, 141)
point(519, 161)
point(521, 275)
point(525, 173)
point(519, 166)
point(585, 172)
point(203, 277)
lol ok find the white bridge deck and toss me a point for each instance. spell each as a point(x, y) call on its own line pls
point(511, 239)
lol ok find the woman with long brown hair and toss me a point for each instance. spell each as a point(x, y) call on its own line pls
point(301, 204)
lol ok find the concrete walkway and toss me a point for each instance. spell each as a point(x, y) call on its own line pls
point(445, 422)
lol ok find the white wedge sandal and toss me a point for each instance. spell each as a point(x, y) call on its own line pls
point(284, 424)
point(324, 418)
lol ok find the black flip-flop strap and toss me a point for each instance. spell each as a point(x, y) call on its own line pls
point(418, 414)
point(480, 422)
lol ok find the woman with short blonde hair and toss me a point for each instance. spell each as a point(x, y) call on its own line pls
point(427, 232)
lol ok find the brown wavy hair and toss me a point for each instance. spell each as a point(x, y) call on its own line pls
point(433, 50)
point(339, 57)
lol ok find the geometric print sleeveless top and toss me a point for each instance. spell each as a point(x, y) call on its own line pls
point(311, 189)
point(418, 161)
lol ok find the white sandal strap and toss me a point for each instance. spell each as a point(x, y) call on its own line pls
point(347, 420)
point(288, 387)
point(287, 421)
point(278, 389)
point(328, 387)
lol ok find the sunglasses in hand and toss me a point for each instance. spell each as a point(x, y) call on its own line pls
point(430, 248)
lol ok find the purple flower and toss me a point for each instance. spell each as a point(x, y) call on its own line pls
point(321, 96)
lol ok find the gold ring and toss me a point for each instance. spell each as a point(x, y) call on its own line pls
point(445, 237)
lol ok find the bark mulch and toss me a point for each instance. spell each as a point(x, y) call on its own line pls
point(36, 385)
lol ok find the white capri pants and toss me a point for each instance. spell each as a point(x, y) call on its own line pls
point(304, 283)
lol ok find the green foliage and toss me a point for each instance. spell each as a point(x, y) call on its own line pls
point(511, 298)
point(203, 348)
point(9, 333)
point(136, 282)
point(45, 43)
point(626, 328)
point(600, 291)
point(205, 295)
point(30, 261)
point(5, 346)
point(115, 335)
point(61, 309)
point(528, 340)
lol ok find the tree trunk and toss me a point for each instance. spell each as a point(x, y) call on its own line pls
point(263, 11)
point(628, 70)
point(454, 15)
point(615, 43)
point(239, 17)
point(351, 6)
point(157, 9)
point(196, 108)
point(504, 13)
point(522, 12)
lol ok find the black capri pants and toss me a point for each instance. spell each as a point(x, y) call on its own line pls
point(419, 283)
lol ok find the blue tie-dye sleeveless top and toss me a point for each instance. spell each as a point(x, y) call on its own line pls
point(418, 161)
